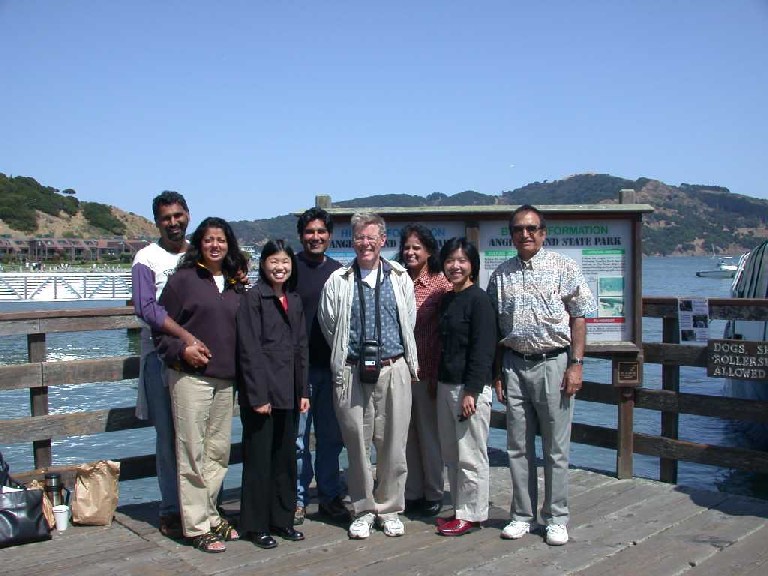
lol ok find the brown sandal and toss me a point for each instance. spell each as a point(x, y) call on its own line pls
point(225, 531)
point(208, 543)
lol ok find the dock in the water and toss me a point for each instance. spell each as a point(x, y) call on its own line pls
point(64, 286)
point(618, 527)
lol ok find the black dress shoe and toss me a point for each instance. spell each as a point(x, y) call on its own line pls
point(289, 533)
point(413, 506)
point(263, 540)
point(431, 507)
point(335, 510)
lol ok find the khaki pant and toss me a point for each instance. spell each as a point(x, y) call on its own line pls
point(378, 413)
point(465, 452)
point(202, 414)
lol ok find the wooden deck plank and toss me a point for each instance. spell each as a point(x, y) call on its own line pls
point(689, 543)
point(602, 530)
point(747, 557)
point(429, 553)
point(74, 550)
point(617, 526)
point(455, 555)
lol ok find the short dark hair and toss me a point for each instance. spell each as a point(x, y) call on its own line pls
point(527, 208)
point(167, 198)
point(425, 236)
point(314, 213)
point(273, 247)
point(234, 262)
point(469, 249)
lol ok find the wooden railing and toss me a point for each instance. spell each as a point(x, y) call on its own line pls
point(40, 428)
point(671, 402)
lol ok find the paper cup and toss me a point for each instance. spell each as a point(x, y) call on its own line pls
point(61, 512)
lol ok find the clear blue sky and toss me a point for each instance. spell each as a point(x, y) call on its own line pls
point(252, 107)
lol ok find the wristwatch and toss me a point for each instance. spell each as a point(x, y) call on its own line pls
point(579, 361)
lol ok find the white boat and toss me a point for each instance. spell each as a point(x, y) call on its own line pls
point(726, 268)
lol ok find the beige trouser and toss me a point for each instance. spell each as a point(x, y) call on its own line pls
point(465, 452)
point(202, 414)
point(425, 464)
point(377, 413)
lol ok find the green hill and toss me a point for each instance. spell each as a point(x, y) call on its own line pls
point(688, 219)
point(31, 209)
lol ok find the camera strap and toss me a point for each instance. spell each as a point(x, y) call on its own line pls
point(377, 300)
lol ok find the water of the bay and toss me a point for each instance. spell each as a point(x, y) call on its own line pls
point(661, 277)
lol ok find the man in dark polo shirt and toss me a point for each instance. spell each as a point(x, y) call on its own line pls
point(315, 229)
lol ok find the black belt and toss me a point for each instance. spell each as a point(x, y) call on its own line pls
point(384, 361)
point(539, 356)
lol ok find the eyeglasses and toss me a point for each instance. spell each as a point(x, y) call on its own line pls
point(531, 229)
point(366, 239)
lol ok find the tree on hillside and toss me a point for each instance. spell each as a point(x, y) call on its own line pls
point(100, 216)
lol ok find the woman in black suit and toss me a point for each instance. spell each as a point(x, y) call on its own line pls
point(272, 389)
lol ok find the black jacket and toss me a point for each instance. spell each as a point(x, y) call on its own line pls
point(468, 337)
point(271, 350)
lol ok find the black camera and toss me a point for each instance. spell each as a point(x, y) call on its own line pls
point(370, 362)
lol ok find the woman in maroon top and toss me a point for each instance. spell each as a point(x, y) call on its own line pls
point(424, 486)
point(203, 296)
point(272, 390)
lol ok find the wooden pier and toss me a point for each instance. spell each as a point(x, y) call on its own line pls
point(618, 527)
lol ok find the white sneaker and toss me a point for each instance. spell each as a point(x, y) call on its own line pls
point(361, 526)
point(557, 534)
point(392, 526)
point(515, 529)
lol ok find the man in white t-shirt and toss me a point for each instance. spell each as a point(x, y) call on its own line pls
point(151, 268)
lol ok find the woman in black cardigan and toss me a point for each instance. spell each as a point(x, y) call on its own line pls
point(468, 339)
point(272, 389)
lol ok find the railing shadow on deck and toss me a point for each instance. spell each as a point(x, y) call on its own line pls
point(37, 375)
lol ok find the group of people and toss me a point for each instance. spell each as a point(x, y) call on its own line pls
point(401, 356)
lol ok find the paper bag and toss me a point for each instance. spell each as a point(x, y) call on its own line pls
point(50, 519)
point(96, 493)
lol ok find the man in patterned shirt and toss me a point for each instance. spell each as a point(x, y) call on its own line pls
point(367, 311)
point(541, 299)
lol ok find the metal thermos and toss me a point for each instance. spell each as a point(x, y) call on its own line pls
point(54, 489)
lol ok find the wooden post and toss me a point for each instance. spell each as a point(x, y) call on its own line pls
point(670, 380)
point(627, 196)
point(472, 231)
point(625, 429)
point(626, 426)
point(38, 400)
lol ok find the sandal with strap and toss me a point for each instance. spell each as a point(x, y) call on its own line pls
point(225, 531)
point(209, 542)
